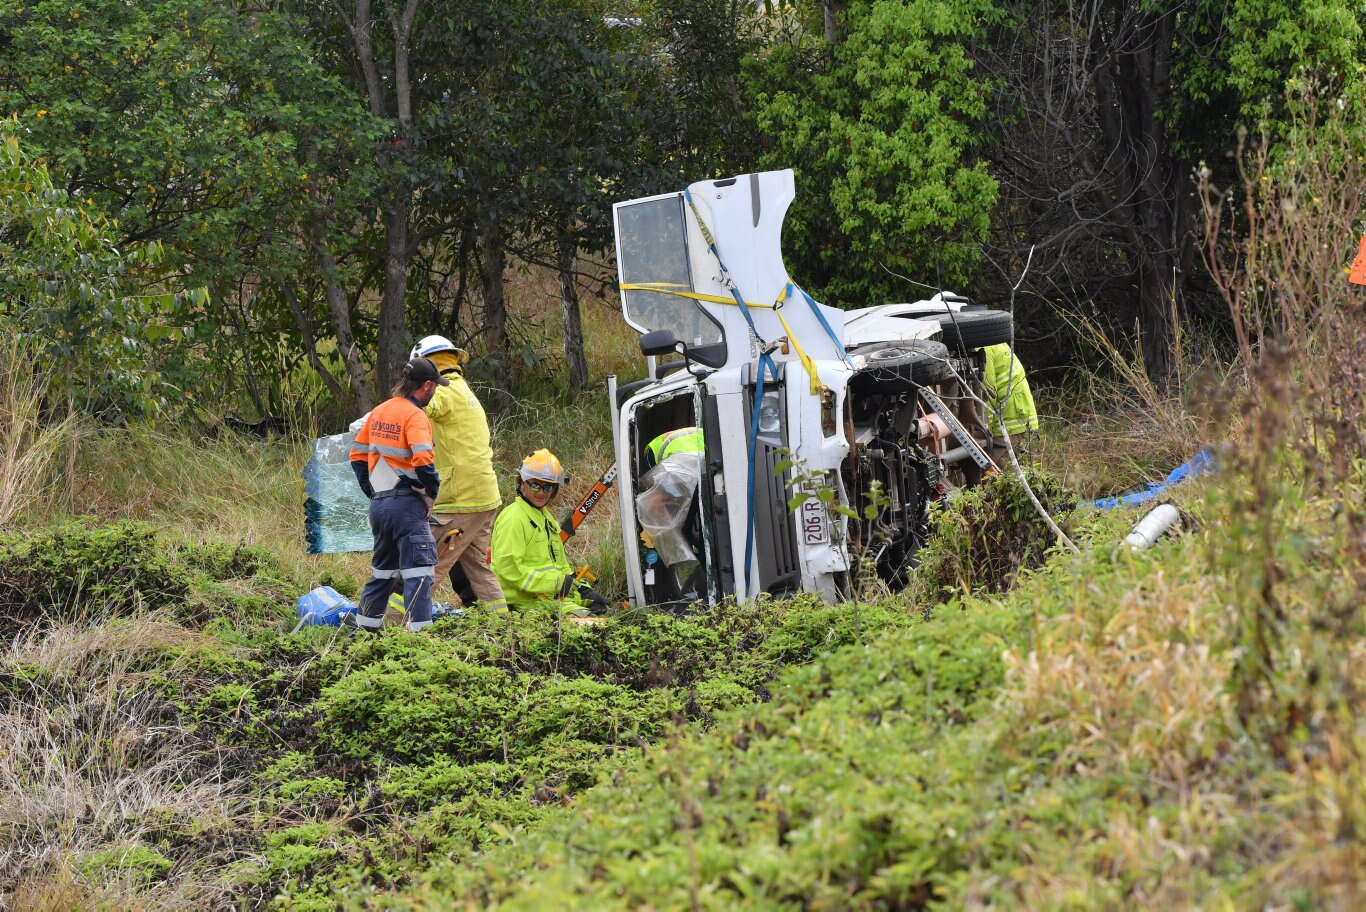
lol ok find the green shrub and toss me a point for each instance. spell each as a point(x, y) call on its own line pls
point(418, 703)
point(78, 571)
point(986, 536)
point(137, 861)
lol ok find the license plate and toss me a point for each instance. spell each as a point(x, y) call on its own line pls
point(813, 522)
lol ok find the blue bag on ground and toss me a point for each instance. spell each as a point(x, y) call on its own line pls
point(323, 607)
point(336, 511)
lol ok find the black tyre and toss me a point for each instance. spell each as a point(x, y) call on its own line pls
point(974, 328)
point(898, 367)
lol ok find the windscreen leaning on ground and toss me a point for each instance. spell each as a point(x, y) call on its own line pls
point(336, 511)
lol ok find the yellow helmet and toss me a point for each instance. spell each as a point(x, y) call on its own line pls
point(543, 465)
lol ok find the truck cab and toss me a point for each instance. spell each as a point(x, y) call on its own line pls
point(825, 433)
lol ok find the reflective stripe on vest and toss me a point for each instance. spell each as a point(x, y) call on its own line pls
point(398, 434)
point(682, 440)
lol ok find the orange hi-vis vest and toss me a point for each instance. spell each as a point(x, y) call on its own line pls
point(399, 435)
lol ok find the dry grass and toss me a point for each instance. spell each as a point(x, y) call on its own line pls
point(1134, 702)
point(31, 439)
point(231, 490)
point(1108, 431)
point(1143, 686)
point(94, 762)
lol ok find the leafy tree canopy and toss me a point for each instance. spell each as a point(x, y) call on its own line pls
point(880, 128)
point(78, 297)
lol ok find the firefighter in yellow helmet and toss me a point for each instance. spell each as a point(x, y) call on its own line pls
point(528, 555)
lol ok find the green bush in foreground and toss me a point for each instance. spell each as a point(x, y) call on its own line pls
point(1076, 745)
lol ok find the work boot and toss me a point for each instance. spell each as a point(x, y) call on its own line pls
point(354, 621)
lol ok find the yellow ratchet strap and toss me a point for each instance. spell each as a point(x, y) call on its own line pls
point(807, 363)
point(674, 289)
point(670, 288)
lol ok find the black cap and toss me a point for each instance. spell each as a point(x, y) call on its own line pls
point(422, 370)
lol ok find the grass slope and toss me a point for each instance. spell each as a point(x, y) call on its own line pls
point(177, 744)
point(1092, 741)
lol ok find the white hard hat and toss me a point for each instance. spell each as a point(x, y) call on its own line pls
point(433, 344)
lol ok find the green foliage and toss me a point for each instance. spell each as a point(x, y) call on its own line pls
point(1019, 750)
point(298, 850)
point(418, 702)
point(780, 801)
point(204, 128)
point(77, 295)
point(986, 536)
point(1267, 45)
point(886, 119)
point(78, 570)
point(480, 728)
point(140, 862)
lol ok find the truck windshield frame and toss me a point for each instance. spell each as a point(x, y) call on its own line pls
point(652, 249)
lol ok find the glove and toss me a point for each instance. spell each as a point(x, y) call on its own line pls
point(595, 598)
point(568, 585)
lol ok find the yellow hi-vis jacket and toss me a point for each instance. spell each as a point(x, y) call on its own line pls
point(464, 459)
point(682, 440)
point(1005, 388)
point(528, 556)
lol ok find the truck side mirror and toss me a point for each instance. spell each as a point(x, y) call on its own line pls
point(658, 342)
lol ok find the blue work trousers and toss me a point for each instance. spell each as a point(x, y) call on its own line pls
point(405, 551)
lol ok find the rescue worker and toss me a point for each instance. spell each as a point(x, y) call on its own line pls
point(463, 515)
point(393, 461)
point(658, 500)
point(680, 440)
point(528, 555)
point(1006, 391)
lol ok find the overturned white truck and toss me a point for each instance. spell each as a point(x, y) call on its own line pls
point(866, 410)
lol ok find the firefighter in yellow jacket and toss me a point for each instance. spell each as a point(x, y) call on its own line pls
point(681, 440)
point(1007, 393)
point(463, 515)
point(528, 555)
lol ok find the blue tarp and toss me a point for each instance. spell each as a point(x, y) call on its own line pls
point(1202, 463)
point(336, 513)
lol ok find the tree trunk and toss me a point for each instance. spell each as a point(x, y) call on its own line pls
point(392, 342)
point(833, 16)
point(566, 253)
point(346, 399)
point(452, 321)
point(495, 315)
point(339, 314)
point(1133, 87)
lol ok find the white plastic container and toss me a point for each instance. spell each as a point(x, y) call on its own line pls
point(1152, 527)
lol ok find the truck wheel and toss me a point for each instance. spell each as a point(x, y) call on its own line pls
point(898, 367)
point(974, 329)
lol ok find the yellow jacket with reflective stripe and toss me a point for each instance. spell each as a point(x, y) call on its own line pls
point(1005, 386)
point(682, 440)
point(464, 459)
point(528, 556)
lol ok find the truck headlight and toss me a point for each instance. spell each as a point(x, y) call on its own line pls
point(770, 412)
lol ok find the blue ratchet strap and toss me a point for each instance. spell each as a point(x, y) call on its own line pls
point(766, 366)
point(725, 273)
point(815, 309)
